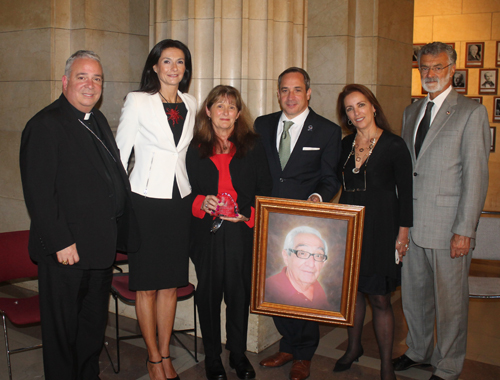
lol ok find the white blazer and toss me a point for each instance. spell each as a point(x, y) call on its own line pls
point(144, 127)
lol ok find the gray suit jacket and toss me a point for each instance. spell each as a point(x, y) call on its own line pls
point(451, 173)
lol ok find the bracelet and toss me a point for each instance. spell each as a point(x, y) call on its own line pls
point(405, 245)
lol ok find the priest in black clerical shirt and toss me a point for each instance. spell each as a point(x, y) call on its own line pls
point(77, 195)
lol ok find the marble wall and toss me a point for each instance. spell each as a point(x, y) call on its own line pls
point(360, 41)
point(36, 39)
point(459, 22)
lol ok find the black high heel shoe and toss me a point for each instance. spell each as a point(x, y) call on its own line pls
point(173, 378)
point(339, 367)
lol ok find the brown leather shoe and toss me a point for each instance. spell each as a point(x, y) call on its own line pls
point(277, 360)
point(300, 369)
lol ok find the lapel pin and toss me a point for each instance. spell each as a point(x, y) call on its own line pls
point(309, 128)
point(447, 112)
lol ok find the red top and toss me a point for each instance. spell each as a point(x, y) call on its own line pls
point(221, 161)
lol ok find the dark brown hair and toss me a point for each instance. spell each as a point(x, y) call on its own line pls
point(380, 119)
point(243, 136)
point(149, 79)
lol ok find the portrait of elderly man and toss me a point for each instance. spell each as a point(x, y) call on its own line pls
point(304, 254)
point(488, 79)
point(458, 80)
point(474, 53)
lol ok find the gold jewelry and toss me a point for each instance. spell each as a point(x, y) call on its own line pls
point(357, 157)
point(65, 262)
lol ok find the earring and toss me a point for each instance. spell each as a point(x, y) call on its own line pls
point(375, 114)
point(349, 121)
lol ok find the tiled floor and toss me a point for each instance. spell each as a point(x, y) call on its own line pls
point(482, 361)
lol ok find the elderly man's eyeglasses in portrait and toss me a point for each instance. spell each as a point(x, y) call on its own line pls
point(320, 257)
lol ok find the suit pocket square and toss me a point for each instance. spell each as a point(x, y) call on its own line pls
point(310, 148)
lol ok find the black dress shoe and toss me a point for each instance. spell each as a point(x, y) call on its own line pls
point(242, 365)
point(214, 369)
point(404, 362)
point(434, 377)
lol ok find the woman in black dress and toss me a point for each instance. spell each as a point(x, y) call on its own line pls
point(157, 123)
point(376, 171)
point(227, 165)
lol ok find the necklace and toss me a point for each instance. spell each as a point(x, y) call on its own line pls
point(366, 157)
point(175, 100)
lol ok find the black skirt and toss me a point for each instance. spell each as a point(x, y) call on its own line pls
point(163, 259)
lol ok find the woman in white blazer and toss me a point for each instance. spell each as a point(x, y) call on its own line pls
point(156, 124)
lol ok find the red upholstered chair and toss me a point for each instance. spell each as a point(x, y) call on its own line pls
point(120, 291)
point(120, 259)
point(16, 264)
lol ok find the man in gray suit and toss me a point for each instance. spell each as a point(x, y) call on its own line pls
point(448, 137)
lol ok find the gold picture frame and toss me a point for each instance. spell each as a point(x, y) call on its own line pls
point(341, 227)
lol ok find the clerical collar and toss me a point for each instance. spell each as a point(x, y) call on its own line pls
point(79, 114)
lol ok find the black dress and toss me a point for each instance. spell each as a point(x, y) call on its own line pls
point(162, 261)
point(388, 205)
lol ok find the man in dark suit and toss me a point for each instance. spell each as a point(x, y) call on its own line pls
point(77, 194)
point(303, 150)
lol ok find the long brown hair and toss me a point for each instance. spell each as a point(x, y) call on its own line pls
point(243, 136)
point(380, 119)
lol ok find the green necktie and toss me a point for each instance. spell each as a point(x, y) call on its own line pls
point(285, 144)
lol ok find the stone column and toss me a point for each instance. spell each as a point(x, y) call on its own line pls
point(242, 43)
point(361, 41)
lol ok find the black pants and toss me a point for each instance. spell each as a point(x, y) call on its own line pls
point(300, 338)
point(225, 271)
point(74, 311)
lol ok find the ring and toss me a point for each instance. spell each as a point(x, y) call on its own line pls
point(65, 262)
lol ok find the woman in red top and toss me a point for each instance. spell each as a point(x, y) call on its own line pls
point(227, 166)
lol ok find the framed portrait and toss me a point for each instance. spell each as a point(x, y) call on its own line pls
point(498, 55)
point(460, 80)
point(415, 98)
point(474, 54)
point(290, 235)
point(488, 81)
point(414, 60)
point(496, 108)
point(478, 99)
point(493, 133)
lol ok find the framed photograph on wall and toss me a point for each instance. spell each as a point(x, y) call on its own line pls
point(474, 54)
point(414, 60)
point(498, 54)
point(496, 108)
point(488, 80)
point(478, 99)
point(289, 232)
point(493, 133)
point(460, 80)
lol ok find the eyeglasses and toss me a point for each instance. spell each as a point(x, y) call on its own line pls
point(356, 189)
point(436, 69)
point(319, 257)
